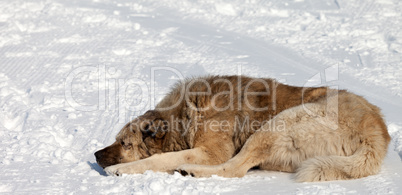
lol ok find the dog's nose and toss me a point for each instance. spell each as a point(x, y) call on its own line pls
point(98, 155)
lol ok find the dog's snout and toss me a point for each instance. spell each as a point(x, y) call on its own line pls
point(98, 155)
point(109, 156)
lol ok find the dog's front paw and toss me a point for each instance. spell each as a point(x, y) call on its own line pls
point(116, 170)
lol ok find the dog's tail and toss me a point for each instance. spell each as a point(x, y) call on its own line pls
point(366, 160)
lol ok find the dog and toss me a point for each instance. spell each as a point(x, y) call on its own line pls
point(226, 125)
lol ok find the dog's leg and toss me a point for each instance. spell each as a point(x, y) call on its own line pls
point(168, 162)
point(159, 162)
point(255, 151)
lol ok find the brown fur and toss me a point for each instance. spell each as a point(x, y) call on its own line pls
point(202, 127)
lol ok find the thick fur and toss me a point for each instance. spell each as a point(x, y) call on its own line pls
point(225, 125)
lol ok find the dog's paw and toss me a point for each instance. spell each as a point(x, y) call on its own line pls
point(191, 170)
point(184, 172)
point(209, 170)
point(112, 170)
point(137, 167)
point(115, 170)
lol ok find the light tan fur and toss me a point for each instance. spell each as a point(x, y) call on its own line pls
point(319, 133)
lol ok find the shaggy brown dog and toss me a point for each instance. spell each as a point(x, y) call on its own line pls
point(225, 125)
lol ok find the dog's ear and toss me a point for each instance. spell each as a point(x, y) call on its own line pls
point(152, 125)
point(156, 129)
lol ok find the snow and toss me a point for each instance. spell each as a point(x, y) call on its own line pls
point(74, 72)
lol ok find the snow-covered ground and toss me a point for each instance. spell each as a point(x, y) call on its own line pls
point(72, 73)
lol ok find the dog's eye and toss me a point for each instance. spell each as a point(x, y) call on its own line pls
point(146, 127)
point(126, 146)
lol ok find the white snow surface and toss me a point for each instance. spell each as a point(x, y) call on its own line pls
point(72, 73)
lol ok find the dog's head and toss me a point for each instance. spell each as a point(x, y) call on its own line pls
point(137, 140)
